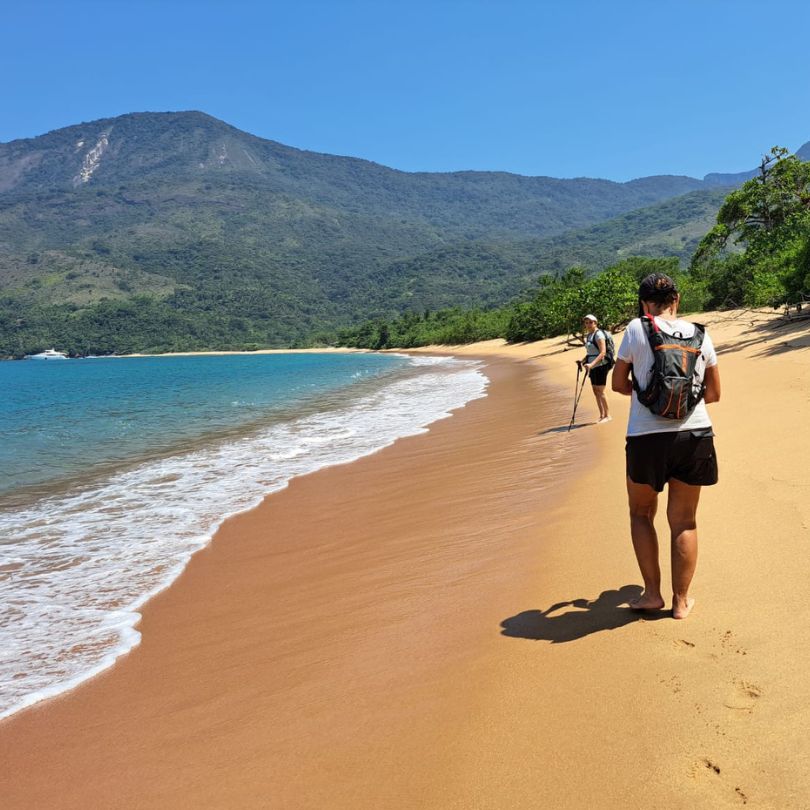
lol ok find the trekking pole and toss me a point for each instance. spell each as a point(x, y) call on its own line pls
point(576, 385)
point(576, 400)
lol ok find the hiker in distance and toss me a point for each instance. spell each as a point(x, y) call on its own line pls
point(597, 364)
point(669, 368)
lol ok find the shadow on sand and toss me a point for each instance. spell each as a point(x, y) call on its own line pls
point(564, 428)
point(607, 612)
point(771, 334)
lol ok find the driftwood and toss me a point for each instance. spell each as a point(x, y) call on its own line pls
point(791, 313)
point(800, 316)
point(801, 310)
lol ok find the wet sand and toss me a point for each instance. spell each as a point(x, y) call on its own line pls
point(441, 625)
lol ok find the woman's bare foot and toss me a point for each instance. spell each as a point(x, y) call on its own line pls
point(647, 602)
point(681, 607)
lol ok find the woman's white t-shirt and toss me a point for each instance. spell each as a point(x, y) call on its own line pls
point(635, 349)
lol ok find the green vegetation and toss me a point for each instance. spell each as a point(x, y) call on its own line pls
point(486, 274)
point(190, 234)
point(560, 303)
point(228, 239)
point(446, 327)
point(758, 253)
point(139, 324)
point(199, 288)
point(555, 309)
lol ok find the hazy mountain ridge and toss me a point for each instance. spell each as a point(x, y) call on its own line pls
point(738, 178)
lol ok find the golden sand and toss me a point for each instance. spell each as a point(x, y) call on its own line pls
point(440, 625)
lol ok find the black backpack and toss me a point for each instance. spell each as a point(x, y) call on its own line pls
point(610, 348)
point(673, 390)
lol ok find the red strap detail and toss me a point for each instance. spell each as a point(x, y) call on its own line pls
point(652, 322)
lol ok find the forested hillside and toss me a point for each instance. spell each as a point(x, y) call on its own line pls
point(487, 273)
point(160, 231)
point(756, 253)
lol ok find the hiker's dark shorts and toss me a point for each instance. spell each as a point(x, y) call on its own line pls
point(687, 455)
point(598, 375)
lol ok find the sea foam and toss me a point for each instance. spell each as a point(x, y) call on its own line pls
point(76, 568)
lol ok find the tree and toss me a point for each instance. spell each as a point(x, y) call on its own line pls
point(560, 303)
point(758, 250)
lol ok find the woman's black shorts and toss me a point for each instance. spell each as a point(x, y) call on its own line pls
point(687, 455)
point(598, 375)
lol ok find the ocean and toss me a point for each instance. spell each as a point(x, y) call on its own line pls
point(114, 471)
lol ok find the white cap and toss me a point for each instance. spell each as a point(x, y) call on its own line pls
point(591, 318)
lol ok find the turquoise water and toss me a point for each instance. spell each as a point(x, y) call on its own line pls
point(63, 419)
point(113, 472)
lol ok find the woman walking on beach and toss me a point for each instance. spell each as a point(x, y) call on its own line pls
point(670, 437)
point(596, 364)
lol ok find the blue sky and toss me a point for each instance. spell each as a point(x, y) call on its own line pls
point(601, 89)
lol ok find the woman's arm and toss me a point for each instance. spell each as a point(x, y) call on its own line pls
point(711, 379)
point(622, 384)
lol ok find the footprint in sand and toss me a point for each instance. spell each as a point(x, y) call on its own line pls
point(672, 683)
point(708, 768)
point(729, 645)
point(743, 697)
point(682, 643)
point(703, 766)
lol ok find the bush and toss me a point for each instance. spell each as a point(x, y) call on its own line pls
point(559, 304)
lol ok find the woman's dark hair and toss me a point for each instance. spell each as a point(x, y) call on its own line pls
point(657, 288)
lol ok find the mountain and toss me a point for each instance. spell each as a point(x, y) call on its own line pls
point(738, 178)
point(188, 151)
point(176, 230)
point(716, 179)
point(485, 273)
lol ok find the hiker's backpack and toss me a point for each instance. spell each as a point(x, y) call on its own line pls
point(610, 348)
point(674, 389)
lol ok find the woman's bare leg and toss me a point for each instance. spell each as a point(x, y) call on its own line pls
point(601, 401)
point(643, 501)
point(681, 514)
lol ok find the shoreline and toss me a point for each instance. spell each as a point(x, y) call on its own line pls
point(215, 353)
point(218, 353)
point(388, 573)
point(239, 490)
point(440, 625)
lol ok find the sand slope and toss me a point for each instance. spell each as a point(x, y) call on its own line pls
point(440, 625)
point(711, 712)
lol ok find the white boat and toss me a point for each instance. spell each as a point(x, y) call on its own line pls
point(48, 354)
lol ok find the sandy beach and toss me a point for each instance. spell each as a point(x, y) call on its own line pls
point(441, 624)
